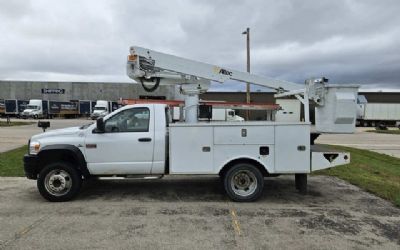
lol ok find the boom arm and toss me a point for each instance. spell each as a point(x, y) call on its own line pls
point(180, 69)
point(335, 104)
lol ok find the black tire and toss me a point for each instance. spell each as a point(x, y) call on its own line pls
point(301, 183)
point(63, 174)
point(243, 172)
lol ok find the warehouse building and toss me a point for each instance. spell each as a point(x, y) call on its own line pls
point(66, 91)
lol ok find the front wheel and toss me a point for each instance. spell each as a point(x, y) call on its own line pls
point(243, 182)
point(59, 181)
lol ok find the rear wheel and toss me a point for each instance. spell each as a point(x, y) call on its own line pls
point(243, 182)
point(59, 181)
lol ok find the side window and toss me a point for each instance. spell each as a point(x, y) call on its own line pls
point(130, 120)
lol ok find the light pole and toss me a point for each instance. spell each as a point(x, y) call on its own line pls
point(247, 33)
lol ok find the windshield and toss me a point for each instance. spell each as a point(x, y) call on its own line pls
point(32, 107)
point(99, 108)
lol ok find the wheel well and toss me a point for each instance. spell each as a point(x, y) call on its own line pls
point(244, 160)
point(50, 156)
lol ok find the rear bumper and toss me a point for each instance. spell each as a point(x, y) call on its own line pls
point(31, 166)
point(322, 157)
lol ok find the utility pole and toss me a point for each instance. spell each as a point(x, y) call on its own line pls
point(247, 33)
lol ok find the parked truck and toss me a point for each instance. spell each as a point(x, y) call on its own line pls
point(101, 109)
point(35, 109)
point(2, 108)
point(375, 114)
point(138, 140)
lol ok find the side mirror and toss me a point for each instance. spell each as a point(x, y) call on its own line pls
point(100, 126)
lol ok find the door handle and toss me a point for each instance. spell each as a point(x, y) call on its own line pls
point(144, 139)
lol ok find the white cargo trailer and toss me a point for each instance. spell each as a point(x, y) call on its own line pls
point(374, 114)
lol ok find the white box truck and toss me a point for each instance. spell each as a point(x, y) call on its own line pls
point(35, 109)
point(100, 109)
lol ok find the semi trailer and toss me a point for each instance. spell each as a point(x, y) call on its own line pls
point(377, 114)
point(139, 141)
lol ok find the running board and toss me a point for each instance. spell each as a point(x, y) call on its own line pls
point(145, 177)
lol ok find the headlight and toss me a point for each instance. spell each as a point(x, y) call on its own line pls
point(34, 147)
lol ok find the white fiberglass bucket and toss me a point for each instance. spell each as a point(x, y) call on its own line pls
point(339, 112)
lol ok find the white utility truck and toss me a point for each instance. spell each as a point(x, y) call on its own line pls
point(101, 109)
point(139, 140)
point(34, 109)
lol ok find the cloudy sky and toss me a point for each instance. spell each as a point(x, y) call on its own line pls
point(348, 41)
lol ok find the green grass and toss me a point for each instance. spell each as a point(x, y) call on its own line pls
point(5, 124)
point(390, 131)
point(373, 172)
point(11, 163)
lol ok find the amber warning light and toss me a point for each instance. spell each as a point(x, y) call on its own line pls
point(132, 58)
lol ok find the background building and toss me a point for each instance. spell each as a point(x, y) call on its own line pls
point(67, 91)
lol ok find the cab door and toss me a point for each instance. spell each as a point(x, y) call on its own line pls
point(126, 147)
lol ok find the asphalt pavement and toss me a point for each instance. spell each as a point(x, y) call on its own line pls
point(194, 213)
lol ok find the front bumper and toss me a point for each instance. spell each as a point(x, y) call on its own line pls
point(31, 166)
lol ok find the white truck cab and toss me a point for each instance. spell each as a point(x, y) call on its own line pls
point(34, 109)
point(101, 109)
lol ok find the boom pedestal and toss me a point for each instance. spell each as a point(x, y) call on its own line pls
point(191, 108)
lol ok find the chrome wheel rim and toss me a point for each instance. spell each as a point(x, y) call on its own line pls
point(244, 183)
point(58, 182)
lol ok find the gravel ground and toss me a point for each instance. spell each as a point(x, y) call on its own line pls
point(188, 213)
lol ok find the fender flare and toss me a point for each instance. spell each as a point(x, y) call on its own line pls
point(71, 149)
point(244, 158)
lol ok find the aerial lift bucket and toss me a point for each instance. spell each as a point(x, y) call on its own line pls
point(339, 112)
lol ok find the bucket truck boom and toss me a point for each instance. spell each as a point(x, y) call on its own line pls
point(335, 104)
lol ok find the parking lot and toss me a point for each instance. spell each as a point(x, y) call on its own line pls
point(381, 143)
point(16, 136)
point(185, 212)
point(188, 213)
